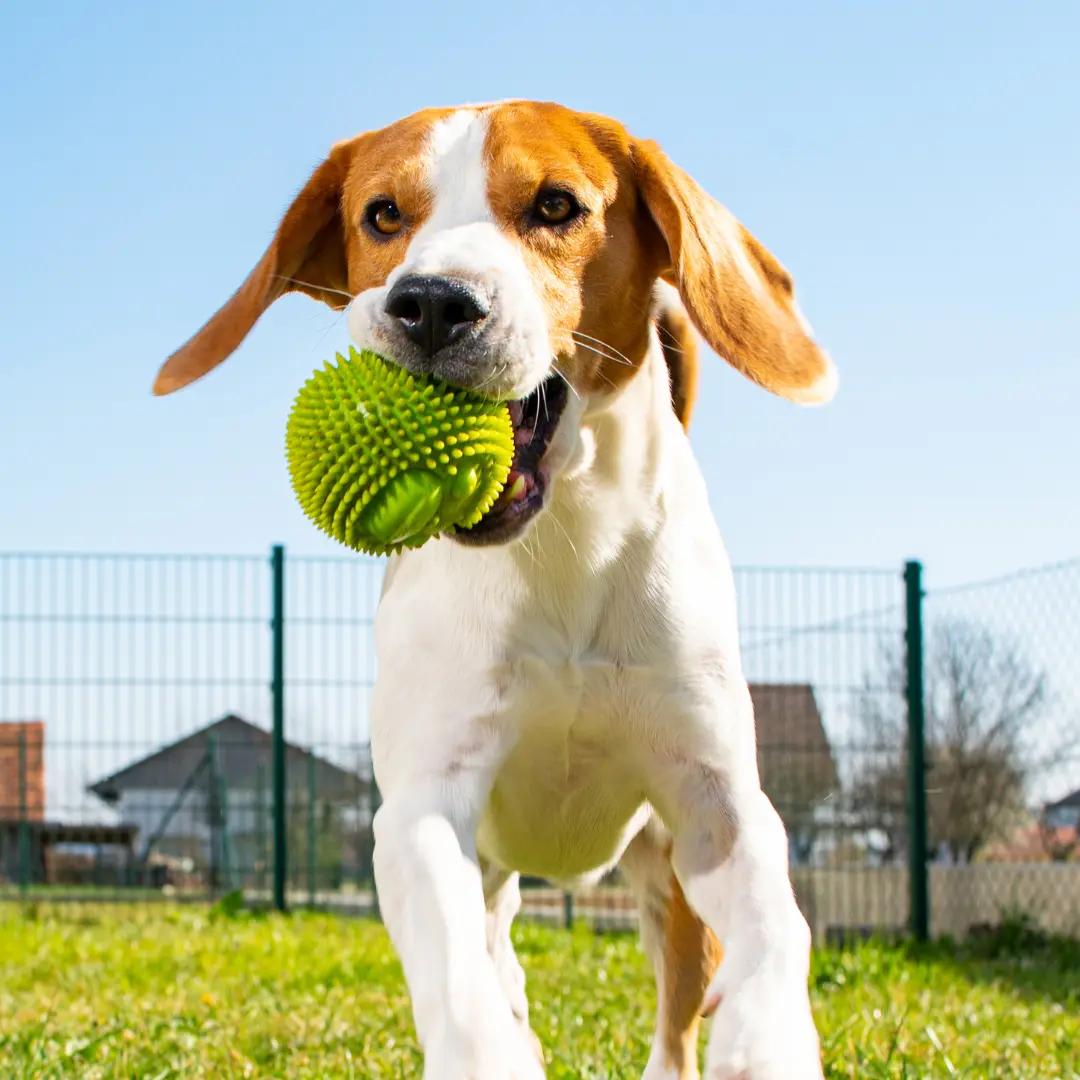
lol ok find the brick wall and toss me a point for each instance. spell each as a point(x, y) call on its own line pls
point(34, 731)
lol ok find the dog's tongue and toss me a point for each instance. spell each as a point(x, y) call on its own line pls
point(517, 487)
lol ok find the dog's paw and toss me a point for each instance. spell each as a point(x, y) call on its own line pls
point(491, 1052)
point(762, 1031)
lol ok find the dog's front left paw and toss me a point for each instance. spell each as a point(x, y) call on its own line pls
point(762, 1031)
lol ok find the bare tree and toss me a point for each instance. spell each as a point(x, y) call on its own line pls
point(984, 705)
point(878, 792)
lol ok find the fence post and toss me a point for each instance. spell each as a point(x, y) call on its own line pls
point(568, 910)
point(226, 838)
point(277, 700)
point(260, 830)
point(916, 714)
point(213, 810)
point(312, 834)
point(24, 817)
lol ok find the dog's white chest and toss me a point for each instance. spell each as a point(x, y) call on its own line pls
point(567, 791)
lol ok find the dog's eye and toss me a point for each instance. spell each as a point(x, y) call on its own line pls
point(384, 217)
point(556, 207)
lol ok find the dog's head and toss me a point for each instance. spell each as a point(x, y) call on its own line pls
point(515, 249)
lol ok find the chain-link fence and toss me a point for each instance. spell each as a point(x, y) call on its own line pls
point(154, 711)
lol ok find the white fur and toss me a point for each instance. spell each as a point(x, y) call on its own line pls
point(539, 703)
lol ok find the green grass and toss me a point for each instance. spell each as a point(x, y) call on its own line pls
point(104, 893)
point(140, 992)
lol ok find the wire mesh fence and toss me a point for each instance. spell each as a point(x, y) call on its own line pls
point(138, 759)
point(329, 673)
point(812, 642)
point(119, 666)
point(1003, 750)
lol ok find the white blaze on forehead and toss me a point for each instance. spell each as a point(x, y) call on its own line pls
point(458, 171)
point(451, 130)
point(460, 234)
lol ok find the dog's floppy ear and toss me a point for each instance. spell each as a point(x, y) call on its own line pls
point(306, 255)
point(738, 296)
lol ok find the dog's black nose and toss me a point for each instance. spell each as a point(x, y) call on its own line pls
point(435, 311)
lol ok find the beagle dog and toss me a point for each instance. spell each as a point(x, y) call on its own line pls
point(559, 689)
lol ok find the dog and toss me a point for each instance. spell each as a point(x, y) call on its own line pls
point(559, 689)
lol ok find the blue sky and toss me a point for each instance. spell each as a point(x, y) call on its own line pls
point(916, 167)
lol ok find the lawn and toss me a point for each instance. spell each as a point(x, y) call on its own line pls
point(143, 992)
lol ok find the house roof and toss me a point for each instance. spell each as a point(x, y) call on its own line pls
point(1068, 803)
point(241, 748)
point(794, 757)
point(29, 734)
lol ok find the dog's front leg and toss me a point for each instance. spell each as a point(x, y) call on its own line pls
point(503, 895)
point(730, 855)
point(432, 899)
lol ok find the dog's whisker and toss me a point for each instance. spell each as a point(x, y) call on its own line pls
point(543, 401)
point(569, 384)
point(569, 540)
point(593, 349)
point(577, 338)
point(670, 345)
point(496, 374)
point(618, 359)
point(527, 547)
point(311, 285)
point(602, 354)
point(326, 333)
point(616, 355)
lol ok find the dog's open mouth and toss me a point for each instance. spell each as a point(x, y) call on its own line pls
point(535, 419)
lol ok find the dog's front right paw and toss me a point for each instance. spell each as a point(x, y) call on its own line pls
point(763, 1031)
point(487, 1052)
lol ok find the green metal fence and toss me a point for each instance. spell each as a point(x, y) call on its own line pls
point(115, 667)
point(188, 726)
point(1002, 681)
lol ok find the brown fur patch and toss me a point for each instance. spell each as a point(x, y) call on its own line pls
point(691, 956)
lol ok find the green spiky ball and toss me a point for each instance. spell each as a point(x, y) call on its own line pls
point(383, 460)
